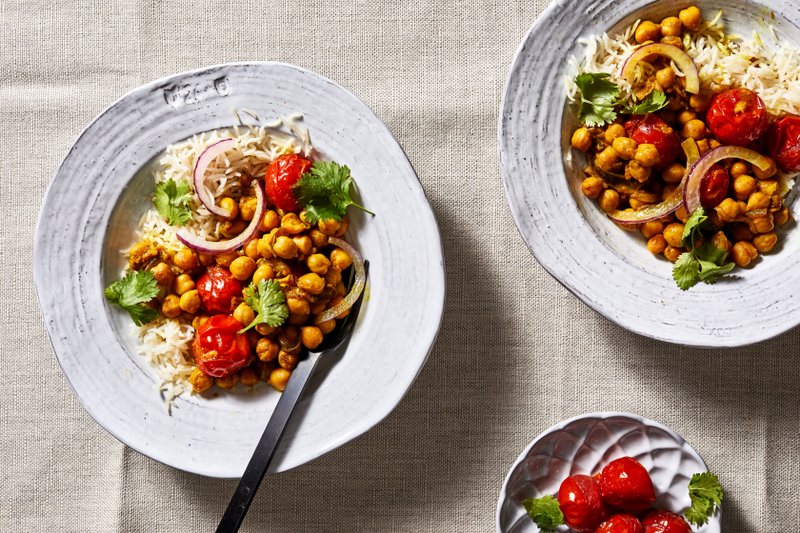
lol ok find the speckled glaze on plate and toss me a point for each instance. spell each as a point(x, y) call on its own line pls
point(95, 201)
point(606, 267)
point(584, 445)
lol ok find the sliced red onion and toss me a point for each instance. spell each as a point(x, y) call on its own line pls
point(199, 176)
point(682, 60)
point(220, 247)
point(691, 189)
point(358, 283)
point(671, 204)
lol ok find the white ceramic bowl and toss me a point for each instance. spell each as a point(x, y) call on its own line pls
point(606, 267)
point(93, 205)
point(584, 445)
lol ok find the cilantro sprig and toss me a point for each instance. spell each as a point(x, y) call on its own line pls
point(705, 263)
point(706, 495)
point(655, 101)
point(545, 512)
point(132, 293)
point(324, 192)
point(171, 200)
point(268, 301)
point(601, 102)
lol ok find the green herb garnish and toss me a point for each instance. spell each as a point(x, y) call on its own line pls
point(599, 97)
point(655, 101)
point(545, 513)
point(324, 191)
point(268, 301)
point(172, 201)
point(706, 495)
point(705, 263)
point(132, 293)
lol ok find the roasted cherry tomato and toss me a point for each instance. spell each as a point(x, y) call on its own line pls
point(281, 175)
point(714, 187)
point(218, 348)
point(783, 142)
point(581, 502)
point(737, 116)
point(661, 521)
point(650, 129)
point(625, 484)
point(621, 523)
point(218, 288)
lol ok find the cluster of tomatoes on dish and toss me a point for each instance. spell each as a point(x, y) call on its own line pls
point(616, 500)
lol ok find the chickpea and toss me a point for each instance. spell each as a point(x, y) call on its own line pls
point(183, 283)
point(671, 253)
point(298, 306)
point(264, 271)
point(671, 26)
point(225, 260)
point(206, 259)
point(673, 234)
point(270, 221)
point(613, 131)
point(292, 224)
point(242, 268)
point(247, 207)
point(691, 18)
point(264, 329)
point(327, 326)
point(251, 249)
point(171, 306)
point(744, 253)
point(757, 200)
point(592, 187)
point(285, 248)
point(232, 228)
point(647, 155)
point(685, 116)
point(694, 129)
point(190, 301)
point(647, 31)
point(652, 228)
point(311, 337)
point(766, 242)
point(609, 200)
point(304, 244)
point(228, 382)
point(249, 376)
point(768, 187)
point(311, 283)
point(666, 77)
point(229, 204)
point(336, 300)
point(319, 239)
point(744, 186)
point(740, 232)
point(681, 214)
point(656, 244)
point(673, 173)
point(199, 321)
point(728, 210)
point(287, 360)
point(625, 147)
point(264, 247)
point(267, 349)
point(329, 227)
point(720, 240)
point(244, 314)
point(674, 41)
point(607, 158)
point(279, 377)
point(200, 382)
point(713, 143)
point(340, 259)
point(582, 140)
point(699, 102)
point(763, 224)
point(782, 216)
point(185, 259)
point(739, 168)
point(163, 274)
point(318, 264)
point(333, 276)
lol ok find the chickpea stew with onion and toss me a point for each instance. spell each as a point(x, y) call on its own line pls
point(239, 265)
point(694, 152)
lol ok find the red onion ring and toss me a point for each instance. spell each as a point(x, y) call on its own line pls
point(691, 190)
point(220, 247)
point(358, 283)
point(682, 60)
point(199, 176)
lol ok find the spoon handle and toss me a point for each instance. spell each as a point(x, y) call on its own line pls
point(265, 450)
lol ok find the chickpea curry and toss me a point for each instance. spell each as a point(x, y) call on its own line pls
point(701, 174)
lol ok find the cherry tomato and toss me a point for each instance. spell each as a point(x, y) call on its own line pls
point(650, 129)
point(281, 175)
point(783, 142)
point(581, 502)
point(218, 288)
point(714, 186)
point(737, 116)
point(625, 484)
point(218, 349)
point(621, 523)
point(660, 521)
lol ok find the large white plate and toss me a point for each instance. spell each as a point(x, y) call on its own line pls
point(95, 201)
point(584, 445)
point(610, 269)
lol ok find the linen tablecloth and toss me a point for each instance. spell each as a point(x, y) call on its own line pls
point(517, 352)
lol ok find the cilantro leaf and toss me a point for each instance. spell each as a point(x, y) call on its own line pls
point(655, 101)
point(324, 192)
point(692, 227)
point(544, 512)
point(686, 271)
point(705, 263)
point(709, 252)
point(599, 96)
point(706, 495)
point(268, 301)
point(171, 200)
point(711, 272)
point(132, 292)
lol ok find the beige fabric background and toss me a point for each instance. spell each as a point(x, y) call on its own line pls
point(516, 354)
